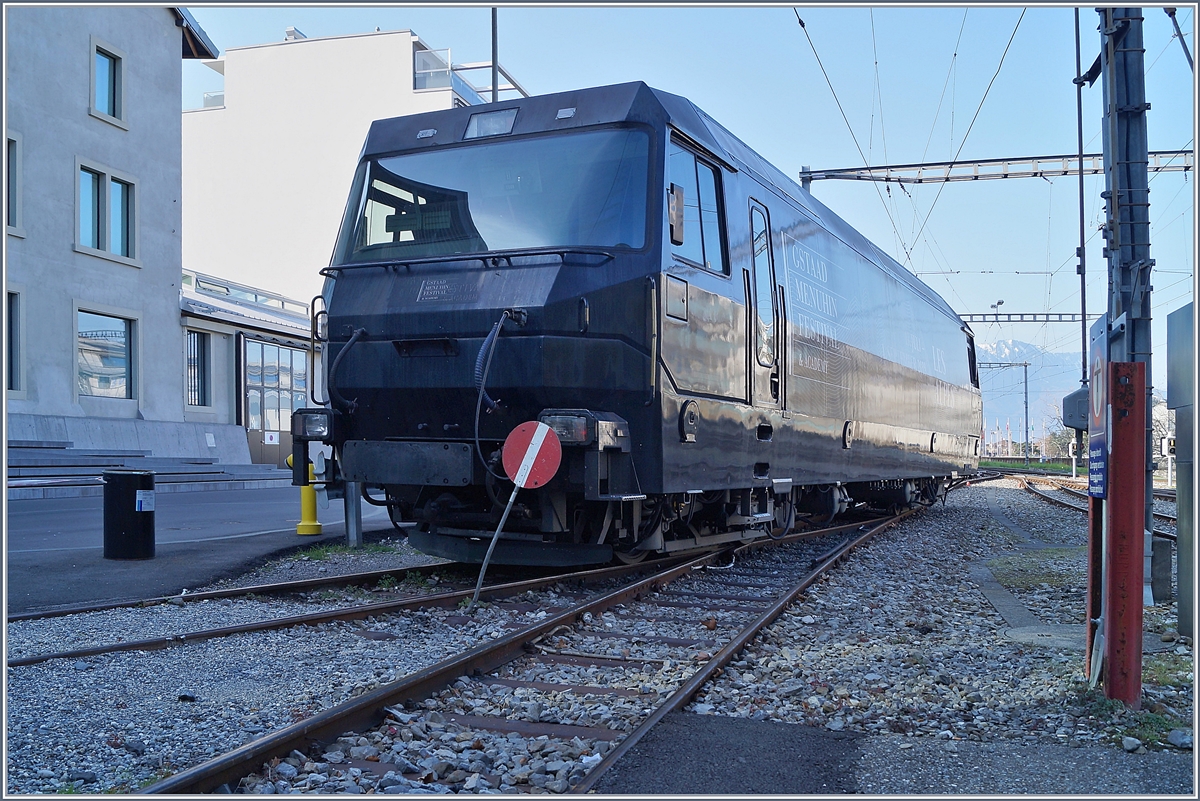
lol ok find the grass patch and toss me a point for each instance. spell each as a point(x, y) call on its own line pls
point(1167, 670)
point(1151, 728)
point(418, 580)
point(1057, 567)
point(1034, 464)
point(342, 595)
point(319, 553)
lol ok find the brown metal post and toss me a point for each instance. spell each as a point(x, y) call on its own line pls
point(1125, 539)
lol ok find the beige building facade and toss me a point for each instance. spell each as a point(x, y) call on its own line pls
point(267, 164)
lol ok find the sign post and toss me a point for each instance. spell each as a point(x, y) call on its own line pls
point(1098, 412)
point(531, 456)
point(1097, 421)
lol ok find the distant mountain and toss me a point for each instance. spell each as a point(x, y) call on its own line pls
point(1051, 376)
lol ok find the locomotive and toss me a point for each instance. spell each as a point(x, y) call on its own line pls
point(717, 352)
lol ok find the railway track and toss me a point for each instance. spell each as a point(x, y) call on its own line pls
point(1081, 494)
point(450, 598)
point(279, 588)
point(1160, 493)
point(601, 650)
point(1028, 486)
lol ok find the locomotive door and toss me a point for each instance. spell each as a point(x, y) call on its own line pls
point(764, 322)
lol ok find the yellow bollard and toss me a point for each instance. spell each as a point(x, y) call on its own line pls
point(308, 504)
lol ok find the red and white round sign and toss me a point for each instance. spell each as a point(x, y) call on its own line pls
point(531, 455)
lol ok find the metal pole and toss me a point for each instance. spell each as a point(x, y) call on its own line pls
point(495, 61)
point(1025, 365)
point(1081, 268)
point(1179, 35)
point(353, 506)
point(1128, 219)
point(1128, 506)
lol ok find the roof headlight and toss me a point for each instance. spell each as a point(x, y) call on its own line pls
point(491, 123)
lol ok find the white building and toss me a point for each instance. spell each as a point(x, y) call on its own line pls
point(267, 165)
point(96, 348)
point(248, 361)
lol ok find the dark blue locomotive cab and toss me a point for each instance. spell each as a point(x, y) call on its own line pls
point(717, 351)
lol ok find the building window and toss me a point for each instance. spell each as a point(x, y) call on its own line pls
point(107, 204)
point(13, 332)
point(198, 369)
point(89, 208)
point(702, 212)
point(12, 177)
point(108, 83)
point(119, 196)
point(276, 383)
point(105, 355)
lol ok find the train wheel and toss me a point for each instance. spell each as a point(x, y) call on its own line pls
point(396, 516)
point(397, 511)
point(630, 557)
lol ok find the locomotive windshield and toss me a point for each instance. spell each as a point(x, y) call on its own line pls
point(578, 189)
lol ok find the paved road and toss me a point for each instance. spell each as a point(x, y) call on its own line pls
point(55, 547)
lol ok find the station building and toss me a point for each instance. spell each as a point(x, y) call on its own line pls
point(95, 354)
point(156, 264)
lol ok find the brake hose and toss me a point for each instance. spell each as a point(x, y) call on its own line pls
point(481, 366)
point(348, 405)
point(483, 363)
point(787, 527)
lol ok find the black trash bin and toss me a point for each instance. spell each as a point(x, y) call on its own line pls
point(128, 514)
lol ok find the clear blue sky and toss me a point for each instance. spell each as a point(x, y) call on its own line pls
point(910, 95)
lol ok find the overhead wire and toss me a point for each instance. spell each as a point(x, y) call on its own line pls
point(1174, 156)
point(982, 100)
point(850, 128)
point(1049, 234)
point(877, 95)
point(1170, 39)
point(949, 70)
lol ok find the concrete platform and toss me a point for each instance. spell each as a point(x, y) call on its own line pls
point(55, 547)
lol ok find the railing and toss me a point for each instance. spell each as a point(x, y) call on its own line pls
point(215, 286)
point(431, 69)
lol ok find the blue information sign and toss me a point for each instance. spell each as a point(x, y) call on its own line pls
point(1098, 411)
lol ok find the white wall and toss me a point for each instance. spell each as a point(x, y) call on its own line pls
point(266, 177)
point(48, 93)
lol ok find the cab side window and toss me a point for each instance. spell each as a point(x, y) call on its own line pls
point(703, 216)
point(764, 295)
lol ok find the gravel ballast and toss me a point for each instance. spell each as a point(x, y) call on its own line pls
point(898, 650)
point(901, 641)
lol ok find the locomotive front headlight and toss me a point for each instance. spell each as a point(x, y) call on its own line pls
point(571, 429)
point(312, 425)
